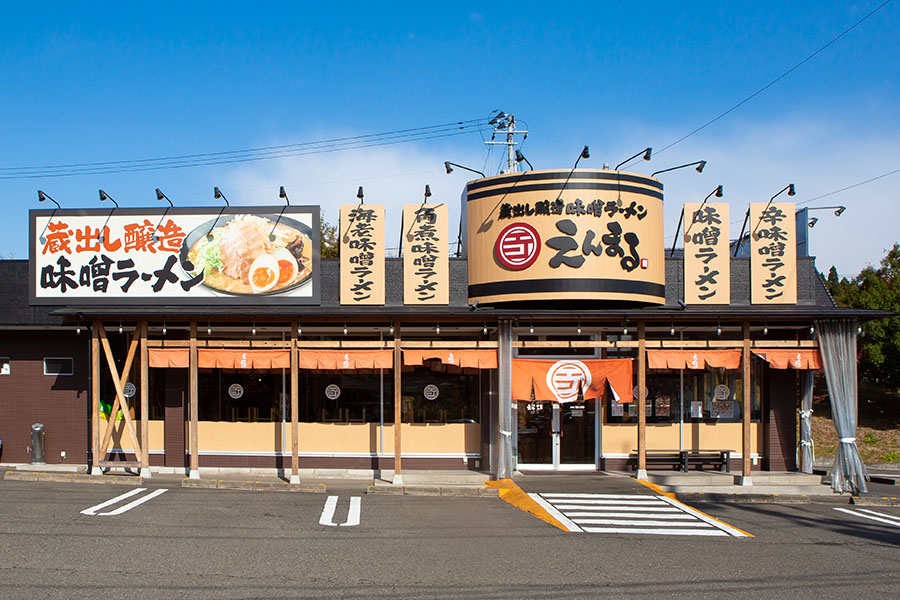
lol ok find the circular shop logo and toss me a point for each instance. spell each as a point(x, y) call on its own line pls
point(333, 391)
point(235, 390)
point(566, 377)
point(129, 390)
point(431, 392)
point(517, 246)
point(722, 392)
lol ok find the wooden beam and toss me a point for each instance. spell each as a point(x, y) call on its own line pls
point(123, 379)
point(295, 392)
point(642, 399)
point(745, 413)
point(450, 344)
point(398, 469)
point(145, 398)
point(95, 394)
point(120, 394)
point(194, 392)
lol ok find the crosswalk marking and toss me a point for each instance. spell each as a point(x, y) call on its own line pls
point(93, 511)
point(872, 516)
point(631, 513)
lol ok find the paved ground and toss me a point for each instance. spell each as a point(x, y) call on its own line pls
point(239, 544)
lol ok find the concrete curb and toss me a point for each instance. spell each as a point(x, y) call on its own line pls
point(873, 501)
point(763, 498)
point(427, 490)
point(72, 478)
point(256, 486)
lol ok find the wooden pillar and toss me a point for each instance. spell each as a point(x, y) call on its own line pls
point(95, 398)
point(642, 402)
point(745, 412)
point(194, 392)
point(398, 412)
point(295, 392)
point(145, 401)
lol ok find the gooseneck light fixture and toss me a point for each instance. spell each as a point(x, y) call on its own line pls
point(449, 167)
point(838, 211)
point(647, 152)
point(103, 198)
point(160, 196)
point(218, 195)
point(718, 192)
point(789, 188)
point(42, 197)
point(283, 195)
point(699, 167)
point(520, 157)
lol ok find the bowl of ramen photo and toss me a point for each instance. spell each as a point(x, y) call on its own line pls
point(249, 255)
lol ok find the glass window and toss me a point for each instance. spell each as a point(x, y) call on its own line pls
point(346, 396)
point(714, 395)
point(240, 395)
point(4, 366)
point(58, 366)
point(439, 394)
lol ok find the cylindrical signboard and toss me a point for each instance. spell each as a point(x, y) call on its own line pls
point(565, 235)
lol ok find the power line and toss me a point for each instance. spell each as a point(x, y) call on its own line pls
point(254, 154)
point(843, 189)
point(774, 81)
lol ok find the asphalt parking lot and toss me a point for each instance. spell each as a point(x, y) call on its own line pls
point(239, 544)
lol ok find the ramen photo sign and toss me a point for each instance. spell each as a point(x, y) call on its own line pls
point(258, 255)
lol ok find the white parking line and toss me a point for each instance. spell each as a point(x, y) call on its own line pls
point(327, 517)
point(872, 515)
point(93, 511)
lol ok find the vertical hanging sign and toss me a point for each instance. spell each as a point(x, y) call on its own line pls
point(707, 270)
point(426, 270)
point(773, 254)
point(362, 254)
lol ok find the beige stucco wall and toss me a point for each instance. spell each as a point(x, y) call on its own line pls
point(621, 438)
point(120, 440)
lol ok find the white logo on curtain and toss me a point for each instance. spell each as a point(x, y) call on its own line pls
point(566, 377)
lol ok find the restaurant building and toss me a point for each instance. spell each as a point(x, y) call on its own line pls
point(561, 336)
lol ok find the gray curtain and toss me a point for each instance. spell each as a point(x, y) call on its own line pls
point(807, 452)
point(837, 345)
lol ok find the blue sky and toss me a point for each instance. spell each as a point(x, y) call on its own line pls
point(128, 81)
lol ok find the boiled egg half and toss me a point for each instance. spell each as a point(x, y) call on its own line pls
point(264, 273)
point(287, 266)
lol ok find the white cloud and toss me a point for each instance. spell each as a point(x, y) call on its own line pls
point(391, 176)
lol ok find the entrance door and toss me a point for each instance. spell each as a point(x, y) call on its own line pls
point(577, 433)
point(556, 436)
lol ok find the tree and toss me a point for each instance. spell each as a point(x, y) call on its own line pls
point(879, 289)
point(328, 246)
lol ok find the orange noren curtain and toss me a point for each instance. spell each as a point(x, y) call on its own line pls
point(162, 358)
point(477, 359)
point(346, 359)
point(560, 380)
point(694, 359)
point(209, 358)
point(791, 359)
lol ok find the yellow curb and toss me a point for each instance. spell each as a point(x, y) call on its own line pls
point(671, 496)
point(513, 494)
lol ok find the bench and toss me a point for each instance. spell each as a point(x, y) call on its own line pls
point(683, 459)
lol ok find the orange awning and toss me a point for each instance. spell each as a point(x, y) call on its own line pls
point(169, 358)
point(346, 359)
point(476, 359)
point(208, 358)
point(560, 380)
point(791, 359)
point(694, 359)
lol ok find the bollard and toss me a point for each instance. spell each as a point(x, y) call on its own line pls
point(37, 444)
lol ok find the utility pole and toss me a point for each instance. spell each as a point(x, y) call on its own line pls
point(505, 127)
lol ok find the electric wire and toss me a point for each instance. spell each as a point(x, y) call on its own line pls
point(256, 154)
point(814, 198)
point(771, 83)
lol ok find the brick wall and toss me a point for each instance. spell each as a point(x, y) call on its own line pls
point(60, 402)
